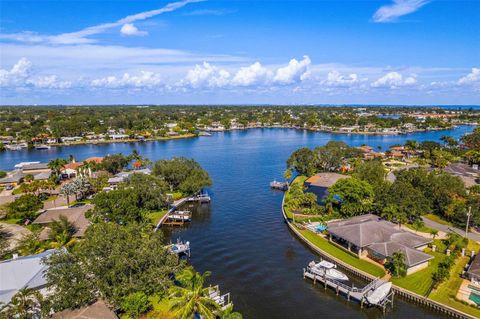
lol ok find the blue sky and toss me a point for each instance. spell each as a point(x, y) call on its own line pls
point(288, 52)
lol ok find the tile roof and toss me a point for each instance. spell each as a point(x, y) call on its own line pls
point(325, 179)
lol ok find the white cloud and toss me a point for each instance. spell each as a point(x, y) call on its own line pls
point(394, 80)
point(471, 78)
point(254, 74)
point(206, 75)
point(145, 79)
point(82, 36)
point(49, 82)
point(209, 12)
point(295, 71)
point(128, 29)
point(336, 79)
point(20, 75)
point(397, 9)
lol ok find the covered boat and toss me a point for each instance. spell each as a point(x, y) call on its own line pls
point(327, 269)
point(379, 294)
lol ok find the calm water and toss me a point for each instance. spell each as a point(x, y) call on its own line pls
point(242, 238)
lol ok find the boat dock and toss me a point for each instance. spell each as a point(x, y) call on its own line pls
point(351, 292)
point(283, 186)
point(171, 217)
point(222, 300)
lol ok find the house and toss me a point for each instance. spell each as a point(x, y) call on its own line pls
point(369, 235)
point(473, 271)
point(20, 272)
point(123, 176)
point(97, 310)
point(39, 171)
point(33, 169)
point(319, 183)
point(75, 215)
point(71, 169)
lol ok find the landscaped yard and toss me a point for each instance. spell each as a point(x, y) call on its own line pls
point(421, 281)
point(447, 291)
point(156, 216)
point(437, 219)
point(342, 254)
point(298, 180)
point(423, 229)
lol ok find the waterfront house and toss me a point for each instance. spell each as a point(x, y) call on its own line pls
point(319, 183)
point(75, 215)
point(39, 171)
point(369, 235)
point(473, 271)
point(21, 272)
point(97, 310)
point(123, 176)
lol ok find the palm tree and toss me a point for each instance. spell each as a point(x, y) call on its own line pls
point(191, 297)
point(25, 304)
point(398, 266)
point(30, 244)
point(230, 314)
point(56, 165)
point(67, 190)
point(287, 174)
point(434, 233)
point(61, 230)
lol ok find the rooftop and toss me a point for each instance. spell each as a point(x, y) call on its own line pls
point(18, 273)
point(325, 179)
point(98, 310)
point(474, 268)
point(75, 215)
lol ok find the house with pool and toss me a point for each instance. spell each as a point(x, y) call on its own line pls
point(370, 236)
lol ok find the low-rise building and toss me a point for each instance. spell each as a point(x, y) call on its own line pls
point(473, 271)
point(75, 215)
point(319, 183)
point(369, 235)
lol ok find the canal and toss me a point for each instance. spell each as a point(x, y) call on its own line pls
point(242, 237)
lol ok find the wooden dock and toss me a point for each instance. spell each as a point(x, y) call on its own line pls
point(351, 292)
point(167, 220)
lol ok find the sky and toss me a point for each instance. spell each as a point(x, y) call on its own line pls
point(401, 52)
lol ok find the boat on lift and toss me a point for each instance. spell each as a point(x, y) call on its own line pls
point(42, 147)
point(327, 269)
point(379, 294)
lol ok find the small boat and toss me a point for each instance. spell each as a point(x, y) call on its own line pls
point(180, 248)
point(13, 147)
point(279, 185)
point(327, 269)
point(42, 147)
point(379, 294)
point(22, 164)
point(181, 215)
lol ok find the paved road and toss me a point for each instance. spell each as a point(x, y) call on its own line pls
point(449, 229)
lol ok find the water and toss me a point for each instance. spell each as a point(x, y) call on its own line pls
point(242, 238)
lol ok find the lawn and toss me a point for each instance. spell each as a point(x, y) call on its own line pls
point(342, 254)
point(423, 229)
point(156, 216)
point(447, 291)
point(437, 219)
point(421, 281)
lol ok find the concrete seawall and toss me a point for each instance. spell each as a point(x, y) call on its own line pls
point(399, 291)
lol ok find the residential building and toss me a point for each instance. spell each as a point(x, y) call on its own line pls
point(75, 215)
point(319, 183)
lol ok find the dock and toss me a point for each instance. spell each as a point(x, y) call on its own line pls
point(283, 186)
point(222, 300)
point(170, 217)
point(351, 292)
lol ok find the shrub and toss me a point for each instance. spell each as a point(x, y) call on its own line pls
point(135, 304)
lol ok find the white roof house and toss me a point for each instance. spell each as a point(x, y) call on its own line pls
point(21, 272)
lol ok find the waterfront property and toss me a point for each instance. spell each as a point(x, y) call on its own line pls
point(94, 311)
point(319, 183)
point(21, 272)
point(369, 235)
point(39, 171)
point(473, 271)
point(75, 215)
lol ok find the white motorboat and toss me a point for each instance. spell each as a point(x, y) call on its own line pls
point(379, 294)
point(327, 269)
point(42, 147)
point(179, 247)
point(22, 164)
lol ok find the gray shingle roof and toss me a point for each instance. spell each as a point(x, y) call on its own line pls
point(76, 215)
point(413, 257)
point(474, 268)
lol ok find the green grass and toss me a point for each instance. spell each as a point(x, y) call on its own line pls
point(156, 216)
point(423, 229)
point(421, 281)
point(342, 254)
point(437, 219)
point(447, 291)
point(11, 220)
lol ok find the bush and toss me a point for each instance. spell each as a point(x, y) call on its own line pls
point(3, 174)
point(25, 207)
point(135, 304)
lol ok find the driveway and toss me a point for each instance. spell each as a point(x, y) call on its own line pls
point(449, 229)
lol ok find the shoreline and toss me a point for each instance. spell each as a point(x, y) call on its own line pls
point(170, 138)
point(406, 294)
